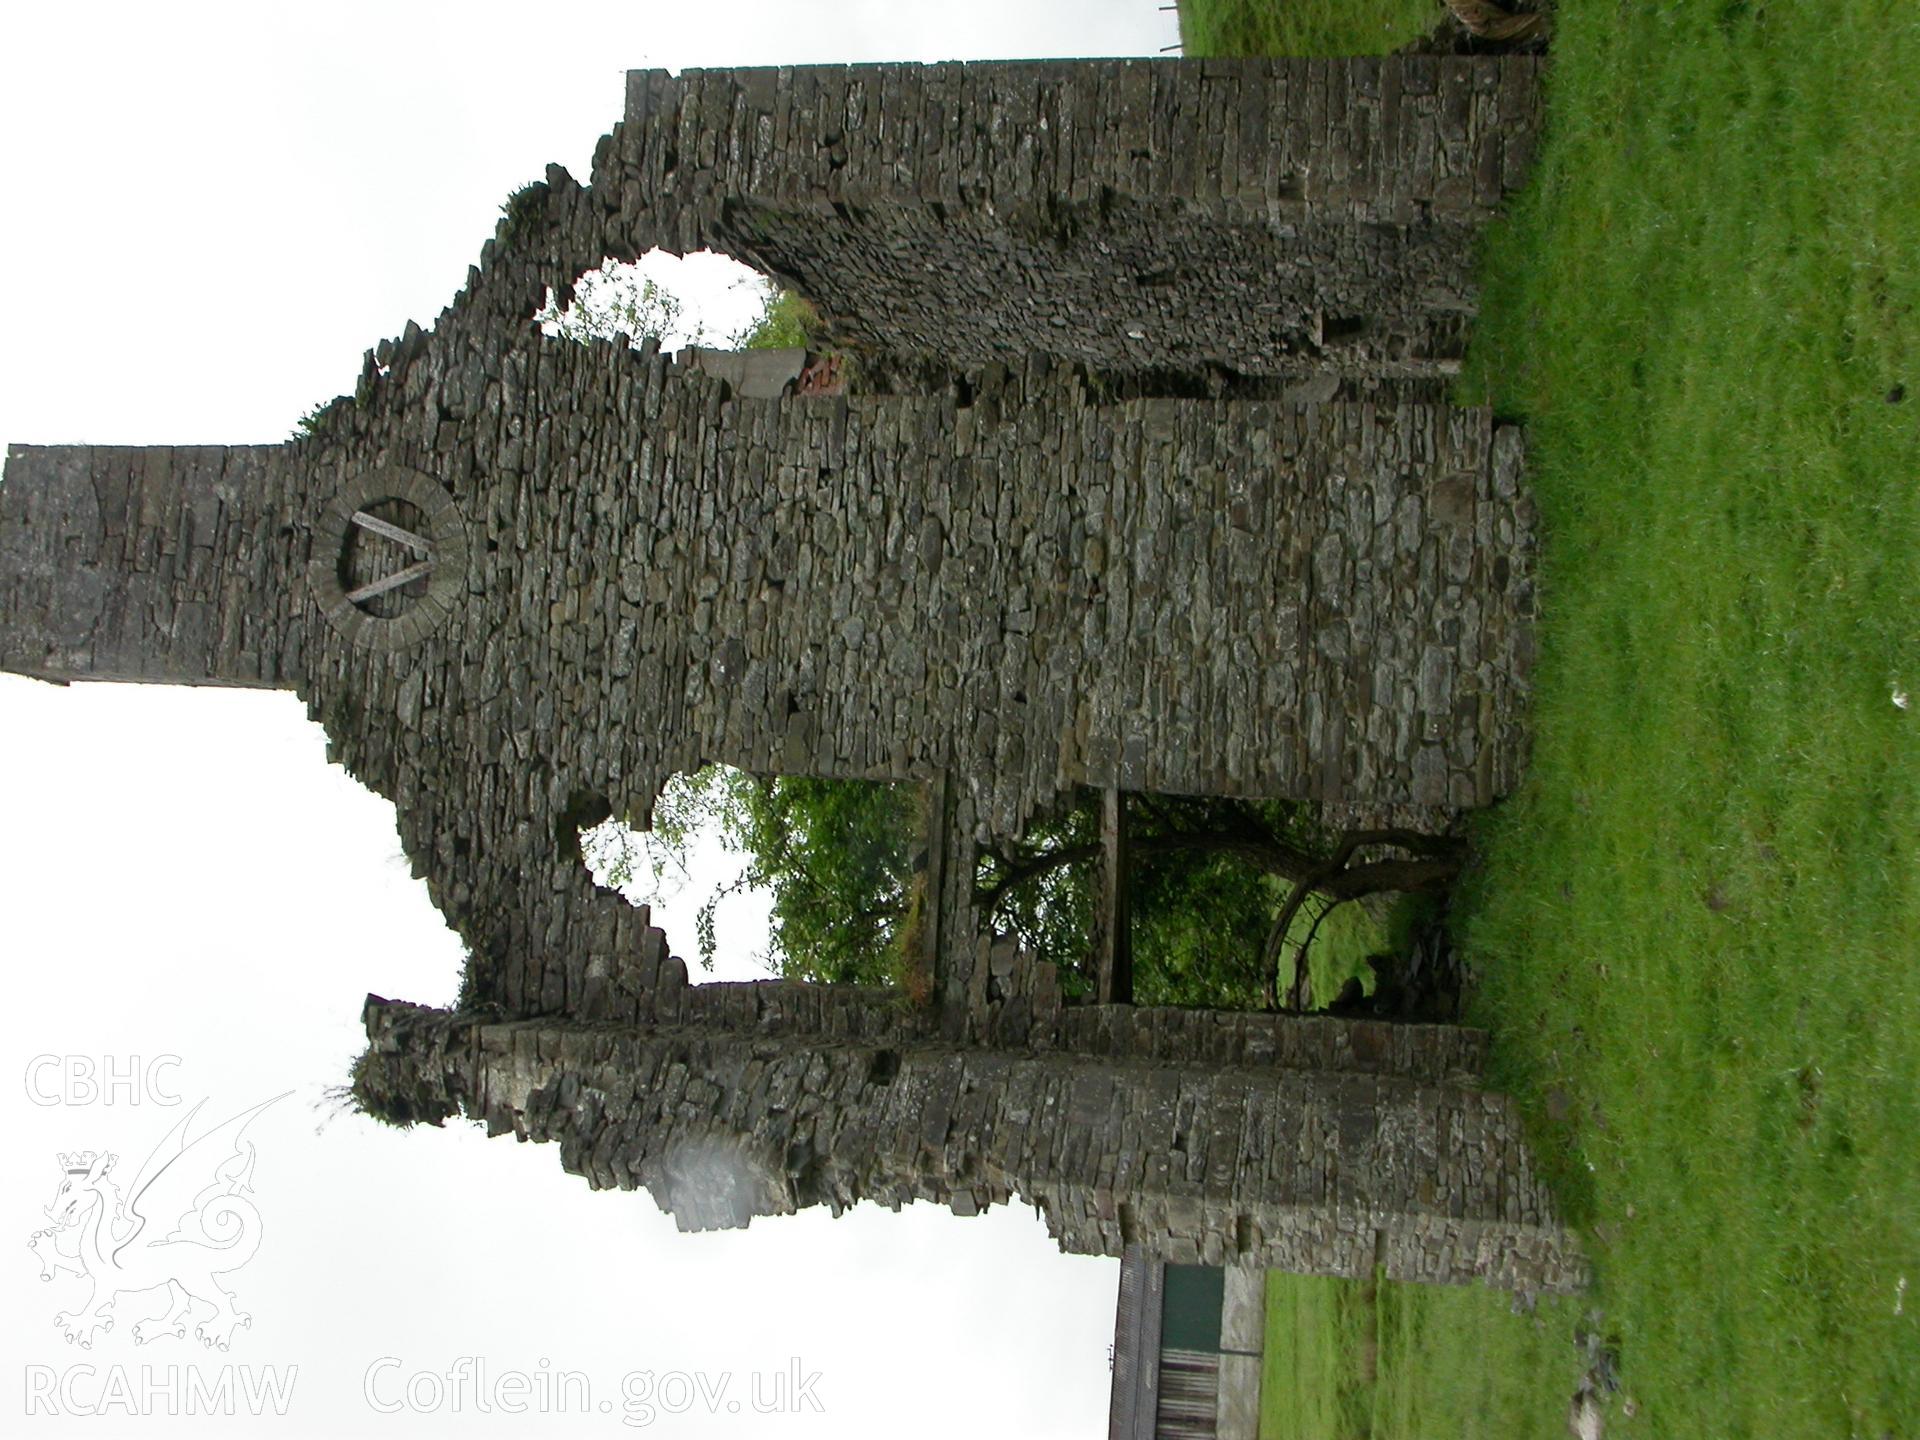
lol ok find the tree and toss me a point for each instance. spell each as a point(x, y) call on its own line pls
point(786, 320)
point(837, 857)
point(617, 299)
point(1216, 887)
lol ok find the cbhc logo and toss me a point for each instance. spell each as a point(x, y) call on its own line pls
point(103, 1079)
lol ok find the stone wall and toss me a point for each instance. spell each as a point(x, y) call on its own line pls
point(1328, 603)
point(1316, 1171)
point(1027, 577)
point(1033, 592)
point(163, 564)
point(1119, 207)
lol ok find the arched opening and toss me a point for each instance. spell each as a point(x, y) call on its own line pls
point(1217, 903)
point(702, 299)
point(1202, 903)
point(783, 876)
point(709, 312)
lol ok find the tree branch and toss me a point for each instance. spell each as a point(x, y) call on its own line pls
point(1258, 848)
point(1339, 882)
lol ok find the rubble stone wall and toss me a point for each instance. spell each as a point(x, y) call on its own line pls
point(1327, 603)
point(164, 564)
point(1313, 1171)
point(1026, 580)
point(1109, 213)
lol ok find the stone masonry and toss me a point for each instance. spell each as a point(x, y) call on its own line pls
point(1353, 189)
point(1251, 1162)
point(1145, 494)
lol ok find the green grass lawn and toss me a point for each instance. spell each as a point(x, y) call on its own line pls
point(1345, 939)
point(1303, 27)
point(1346, 1361)
point(1317, 1376)
point(1698, 926)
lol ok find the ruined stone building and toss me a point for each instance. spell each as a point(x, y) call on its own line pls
point(1151, 485)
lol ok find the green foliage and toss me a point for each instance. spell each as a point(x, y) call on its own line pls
point(1375, 1360)
point(1201, 900)
point(1304, 27)
point(838, 857)
point(653, 863)
point(1050, 913)
point(618, 298)
point(309, 422)
point(1201, 915)
point(786, 321)
point(1199, 926)
point(525, 212)
point(387, 1088)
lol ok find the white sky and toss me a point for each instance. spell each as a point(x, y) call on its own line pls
point(211, 212)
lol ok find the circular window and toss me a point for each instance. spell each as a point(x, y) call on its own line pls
point(387, 559)
point(390, 558)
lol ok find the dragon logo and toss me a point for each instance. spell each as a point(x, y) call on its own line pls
point(120, 1244)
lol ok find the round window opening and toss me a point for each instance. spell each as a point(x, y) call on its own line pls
point(386, 558)
point(390, 558)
